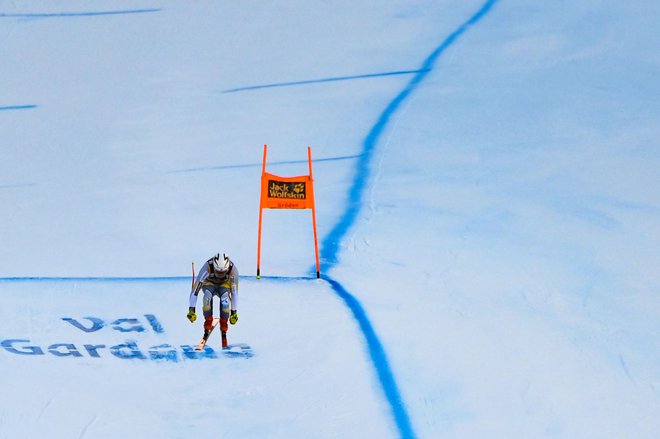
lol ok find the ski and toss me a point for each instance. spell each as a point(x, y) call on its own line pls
point(202, 343)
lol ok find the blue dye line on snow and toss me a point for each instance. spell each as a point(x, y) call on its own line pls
point(259, 165)
point(16, 185)
point(17, 107)
point(319, 81)
point(93, 279)
point(138, 278)
point(330, 245)
point(77, 14)
point(378, 358)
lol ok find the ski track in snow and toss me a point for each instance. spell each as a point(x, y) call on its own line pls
point(83, 432)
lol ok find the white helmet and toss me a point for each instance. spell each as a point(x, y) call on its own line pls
point(221, 265)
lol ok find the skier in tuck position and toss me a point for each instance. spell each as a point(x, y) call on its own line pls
point(217, 277)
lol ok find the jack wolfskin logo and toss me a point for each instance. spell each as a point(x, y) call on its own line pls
point(290, 190)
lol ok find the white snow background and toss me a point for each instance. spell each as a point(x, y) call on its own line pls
point(486, 178)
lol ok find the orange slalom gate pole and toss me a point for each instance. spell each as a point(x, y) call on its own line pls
point(316, 242)
point(279, 192)
point(261, 210)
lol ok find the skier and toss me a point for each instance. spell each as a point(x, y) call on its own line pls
point(217, 277)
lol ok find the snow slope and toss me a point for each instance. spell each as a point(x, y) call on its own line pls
point(485, 175)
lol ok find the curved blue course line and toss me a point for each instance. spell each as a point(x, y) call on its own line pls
point(330, 245)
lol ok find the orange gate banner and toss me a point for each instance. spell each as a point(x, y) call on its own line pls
point(287, 193)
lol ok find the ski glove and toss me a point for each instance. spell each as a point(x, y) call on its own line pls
point(191, 314)
point(233, 317)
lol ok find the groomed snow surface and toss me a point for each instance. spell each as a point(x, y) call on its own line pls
point(486, 178)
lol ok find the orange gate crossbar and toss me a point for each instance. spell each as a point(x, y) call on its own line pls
point(287, 193)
